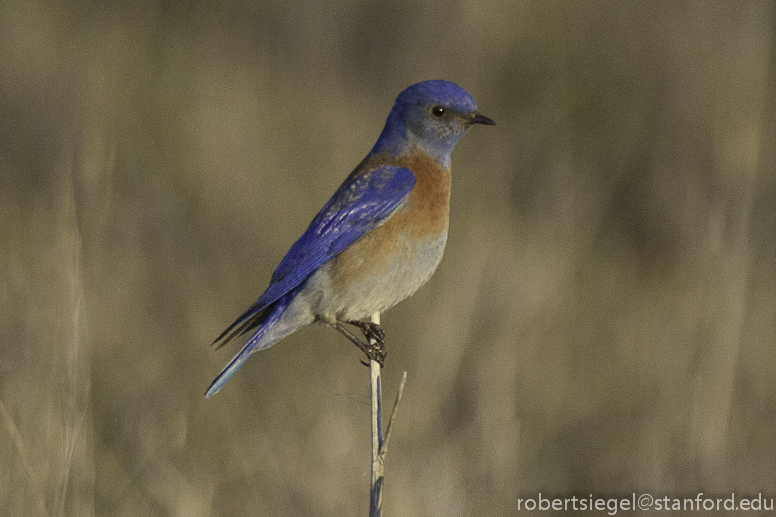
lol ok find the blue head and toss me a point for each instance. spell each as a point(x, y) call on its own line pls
point(433, 116)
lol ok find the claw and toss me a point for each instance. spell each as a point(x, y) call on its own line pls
point(375, 348)
point(372, 331)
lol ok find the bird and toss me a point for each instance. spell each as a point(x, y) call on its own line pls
point(377, 240)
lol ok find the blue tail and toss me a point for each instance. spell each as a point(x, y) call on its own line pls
point(253, 344)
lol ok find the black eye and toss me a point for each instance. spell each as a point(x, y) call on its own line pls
point(438, 111)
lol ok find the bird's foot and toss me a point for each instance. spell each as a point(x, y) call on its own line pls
point(375, 336)
point(374, 348)
point(376, 352)
point(372, 331)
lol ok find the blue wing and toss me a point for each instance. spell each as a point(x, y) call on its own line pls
point(363, 202)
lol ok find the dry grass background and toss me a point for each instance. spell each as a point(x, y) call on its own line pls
point(604, 320)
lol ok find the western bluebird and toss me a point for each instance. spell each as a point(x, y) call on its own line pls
point(380, 236)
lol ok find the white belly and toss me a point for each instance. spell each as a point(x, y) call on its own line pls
point(358, 300)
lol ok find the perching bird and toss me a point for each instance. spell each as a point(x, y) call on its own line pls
point(380, 236)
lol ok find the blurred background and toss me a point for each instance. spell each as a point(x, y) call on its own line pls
point(603, 322)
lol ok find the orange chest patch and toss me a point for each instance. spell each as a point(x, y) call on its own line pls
point(427, 210)
point(423, 218)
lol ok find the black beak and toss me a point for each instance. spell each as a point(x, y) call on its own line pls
point(482, 119)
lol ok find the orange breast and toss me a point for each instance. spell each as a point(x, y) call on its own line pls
point(424, 217)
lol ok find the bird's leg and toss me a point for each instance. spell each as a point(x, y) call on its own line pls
point(374, 352)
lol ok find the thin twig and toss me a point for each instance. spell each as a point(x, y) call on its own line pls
point(379, 444)
point(384, 446)
point(376, 490)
